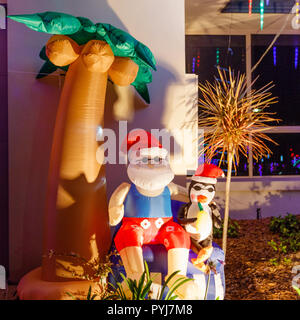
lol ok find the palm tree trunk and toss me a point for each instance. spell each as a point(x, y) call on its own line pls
point(227, 198)
point(76, 217)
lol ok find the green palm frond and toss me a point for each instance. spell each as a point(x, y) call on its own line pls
point(82, 30)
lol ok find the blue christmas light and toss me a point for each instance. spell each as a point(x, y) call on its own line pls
point(296, 57)
point(193, 64)
point(274, 55)
point(260, 170)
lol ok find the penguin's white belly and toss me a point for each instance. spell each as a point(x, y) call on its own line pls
point(200, 229)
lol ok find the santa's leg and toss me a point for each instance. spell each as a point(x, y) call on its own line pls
point(178, 261)
point(129, 241)
point(132, 258)
point(177, 242)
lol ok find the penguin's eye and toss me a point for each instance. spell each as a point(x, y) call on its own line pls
point(197, 188)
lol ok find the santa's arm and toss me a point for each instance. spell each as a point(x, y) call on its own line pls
point(178, 193)
point(115, 206)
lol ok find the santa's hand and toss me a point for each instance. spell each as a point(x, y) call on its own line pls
point(116, 214)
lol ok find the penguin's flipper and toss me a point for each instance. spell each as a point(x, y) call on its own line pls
point(182, 215)
point(216, 216)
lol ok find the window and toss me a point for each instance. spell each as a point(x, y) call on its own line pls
point(285, 159)
point(205, 53)
point(280, 65)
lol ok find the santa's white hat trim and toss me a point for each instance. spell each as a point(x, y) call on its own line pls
point(208, 173)
point(147, 152)
point(154, 152)
point(204, 179)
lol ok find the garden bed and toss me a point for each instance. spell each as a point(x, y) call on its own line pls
point(249, 273)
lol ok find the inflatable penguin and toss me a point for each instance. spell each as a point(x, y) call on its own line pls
point(200, 215)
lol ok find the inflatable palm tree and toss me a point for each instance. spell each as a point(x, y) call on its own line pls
point(76, 218)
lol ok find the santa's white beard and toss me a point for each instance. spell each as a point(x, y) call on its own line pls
point(152, 179)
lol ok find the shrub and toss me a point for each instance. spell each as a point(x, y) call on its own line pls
point(288, 228)
point(281, 249)
point(233, 230)
point(285, 226)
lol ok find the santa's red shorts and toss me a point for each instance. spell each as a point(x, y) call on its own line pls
point(135, 232)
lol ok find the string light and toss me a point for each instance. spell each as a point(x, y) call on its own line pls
point(297, 11)
point(218, 56)
point(274, 55)
point(262, 10)
point(296, 57)
point(250, 7)
point(193, 64)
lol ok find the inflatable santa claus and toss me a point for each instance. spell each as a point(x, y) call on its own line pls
point(144, 208)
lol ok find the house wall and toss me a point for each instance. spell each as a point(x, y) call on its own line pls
point(33, 104)
point(273, 195)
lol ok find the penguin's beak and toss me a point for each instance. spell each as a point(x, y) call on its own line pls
point(201, 198)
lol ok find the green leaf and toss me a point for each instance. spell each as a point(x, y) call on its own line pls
point(142, 91)
point(49, 22)
point(94, 296)
point(178, 283)
point(82, 37)
point(297, 290)
point(46, 69)
point(147, 270)
point(166, 283)
point(124, 45)
point(146, 289)
point(144, 54)
point(89, 293)
point(43, 55)
point(71, 295)
point(131, 285)
point(121, 291)
point(140, 285)
point(87, 25)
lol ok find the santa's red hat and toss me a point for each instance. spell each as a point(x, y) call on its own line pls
point(208, 173)
point(140, 143)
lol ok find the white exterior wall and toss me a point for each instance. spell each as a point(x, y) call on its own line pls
point(275, 196)
point(33, 104)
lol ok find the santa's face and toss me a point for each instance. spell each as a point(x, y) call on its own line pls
point(202, 192)
point(150, 173)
